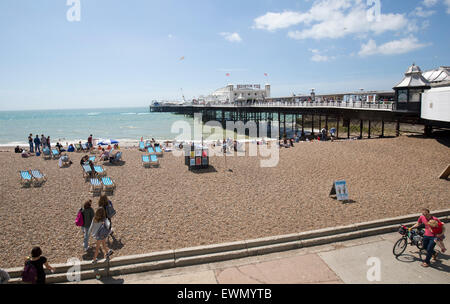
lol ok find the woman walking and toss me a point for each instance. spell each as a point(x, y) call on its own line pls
point(88, 216)
point(106, 204)
point(100, 230)
point(39, 261)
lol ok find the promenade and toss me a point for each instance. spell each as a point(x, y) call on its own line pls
point(335, 263)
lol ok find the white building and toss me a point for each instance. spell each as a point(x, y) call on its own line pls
point(231, 94)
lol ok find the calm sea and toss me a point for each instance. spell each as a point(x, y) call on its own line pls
point(123, 124)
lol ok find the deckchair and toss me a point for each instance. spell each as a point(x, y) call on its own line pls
point(151, 150)
point(158, 151)
point(116, 158)
point(86, 171)
point(96, 186)
point(92, 158)
point(100, 170)
point(146, 161)
point(38, 178)
point(84, 147)
point(46, 153)
point(108, 184)
point(154, 160)
point(78, 147)
point(141, 146)
point(25, 178)
point(55, 153)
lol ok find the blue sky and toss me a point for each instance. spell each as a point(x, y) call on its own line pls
point(127, 53)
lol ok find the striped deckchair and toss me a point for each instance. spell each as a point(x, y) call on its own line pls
point(100, 170)
point(38, 178)
point(146, 161)
point(25, 178)
point(108, 185)
point(96, 187)
point(55, 153)
point(78, 147)
point(154, 160)
point(141, 146)
point(46, 153)
point(150, 150)
point(92, 158)
point(158, 151)
point(86, 171)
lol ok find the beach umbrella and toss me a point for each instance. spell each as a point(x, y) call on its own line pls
point(107, 142)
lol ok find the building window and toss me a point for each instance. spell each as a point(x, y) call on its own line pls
point(414, 95)
point(402, 95)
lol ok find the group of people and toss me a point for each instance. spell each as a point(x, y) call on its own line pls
point(38, 143)
point(98, 225)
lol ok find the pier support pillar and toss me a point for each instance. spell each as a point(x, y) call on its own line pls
point(382, 129)
point(361, 124)
point(303, 125)
point(369, 129)
point(397, 129)
point(312, 125)
point(348, 129)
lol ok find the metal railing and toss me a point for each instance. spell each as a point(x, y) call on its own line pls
point(303, 104)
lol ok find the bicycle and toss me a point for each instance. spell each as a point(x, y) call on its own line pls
point(414, 236)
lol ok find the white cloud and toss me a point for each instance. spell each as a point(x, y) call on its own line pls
point(395, 47)
point(447, 2)
point(275, 21)
point(232, 37)
point(318, 57)
point(334, 19)
point(420, 12)
point(430, 3)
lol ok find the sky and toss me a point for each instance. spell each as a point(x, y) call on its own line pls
point(66, 54)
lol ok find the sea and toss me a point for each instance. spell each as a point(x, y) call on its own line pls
point(126, 125)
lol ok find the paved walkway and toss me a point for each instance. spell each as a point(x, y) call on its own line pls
point(337, 263)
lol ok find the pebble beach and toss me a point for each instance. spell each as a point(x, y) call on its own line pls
point(171, 207)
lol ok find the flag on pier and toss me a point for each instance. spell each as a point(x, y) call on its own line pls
point(227, 74)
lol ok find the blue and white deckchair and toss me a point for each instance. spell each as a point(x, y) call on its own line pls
point(116, 158)
point(141, 146)
point(96, 186)
point(154, 160)
point(145, 160)
point(25, 178)
point(158, 151)
point(46, 152)
point(38, 177)
point(150, 150)
point(100, 171)
point(92, 158)
point(55, 153)
point(108, 184)
point(86, 171)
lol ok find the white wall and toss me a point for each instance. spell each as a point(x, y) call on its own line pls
point(436, 104)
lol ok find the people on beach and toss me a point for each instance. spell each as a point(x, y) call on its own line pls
point(105, 155)
point(48, 142)
point(106, 204)
point(89, 142)
point(93, 173)
point(100, 229)
point(84, 159)
point(37, 143)
point(4, 276)
point(18, 150)
point(26, 154)
point(71, 148)
point(438, 231)
point(88, 215)
point(428, 238)
point(30, 142)
point(39, 261)
point(59, 147)
point(43, 141)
